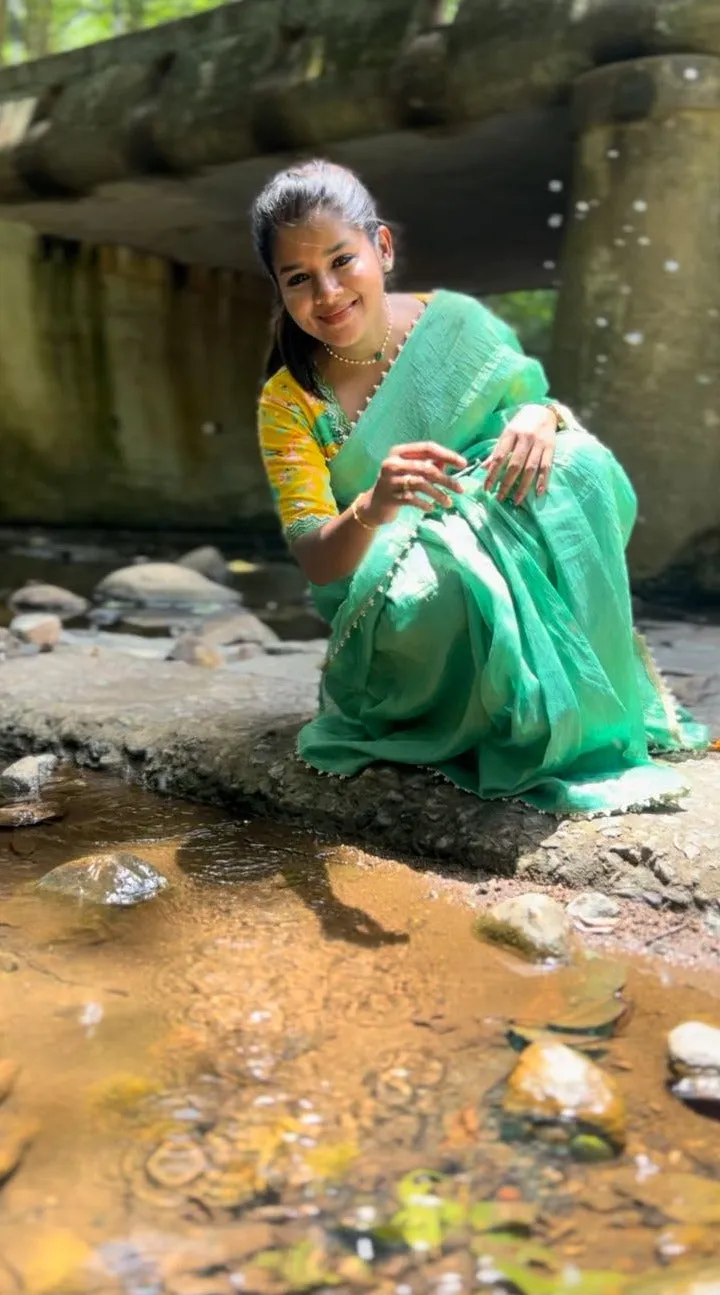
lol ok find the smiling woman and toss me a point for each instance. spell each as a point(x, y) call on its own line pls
point(481, 623)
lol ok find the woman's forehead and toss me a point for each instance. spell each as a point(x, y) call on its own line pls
point(320, 235)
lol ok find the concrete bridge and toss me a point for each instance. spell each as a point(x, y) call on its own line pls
point(516, 144)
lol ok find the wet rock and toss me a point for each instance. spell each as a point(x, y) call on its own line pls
point(236, 627)
point(191, 649)
point(694, 1046)
point(15, 1139)
point(152, 648)
point(48, 598)
point(29, 774)
point(44, 629)
point(553, 1084)
point(164, 584)
point(29, 814)
point(116, 879)
point(595, 910)
point(208, 561)
point(533, 925)
point(694, 1060)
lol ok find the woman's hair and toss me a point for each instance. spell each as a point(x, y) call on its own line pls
point(291, 198)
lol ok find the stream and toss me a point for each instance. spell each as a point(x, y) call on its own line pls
point(286, 1072)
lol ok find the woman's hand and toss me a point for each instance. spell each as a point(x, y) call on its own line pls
point(412, 474)
point(524, 453)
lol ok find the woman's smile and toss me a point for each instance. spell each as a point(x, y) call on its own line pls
point(337, 318)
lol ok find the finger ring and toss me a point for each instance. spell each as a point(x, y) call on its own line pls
point(405, 490)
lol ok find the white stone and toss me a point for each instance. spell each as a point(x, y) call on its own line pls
point(695, 1046)
point(44, 629)
point(163, 584)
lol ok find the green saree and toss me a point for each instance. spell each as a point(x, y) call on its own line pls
point(490, 642)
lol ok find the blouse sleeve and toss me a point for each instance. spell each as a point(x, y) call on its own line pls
point(296, 467)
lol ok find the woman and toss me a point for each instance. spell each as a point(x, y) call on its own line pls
point(480, 611)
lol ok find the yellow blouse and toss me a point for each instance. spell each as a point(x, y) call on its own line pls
point(296, 450)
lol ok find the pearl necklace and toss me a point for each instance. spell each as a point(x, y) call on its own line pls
point(374, 359)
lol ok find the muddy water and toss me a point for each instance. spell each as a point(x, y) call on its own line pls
point(225, 1089)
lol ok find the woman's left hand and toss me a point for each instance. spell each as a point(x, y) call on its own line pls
point(524, 453)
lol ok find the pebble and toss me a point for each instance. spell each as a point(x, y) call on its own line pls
point(29, 814)
point(553, 1083)
point(29, 773)
point(595, 909)
point(533, 924)
point(694, 1046)
point(36, 597)
point(164, 584)
point(191, 650)
point(44, 629)
point(114, 880)
point(14, 1142)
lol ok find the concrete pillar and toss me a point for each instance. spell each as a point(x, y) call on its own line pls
point(637, 337)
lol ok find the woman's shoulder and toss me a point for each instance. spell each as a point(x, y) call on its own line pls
point(460, 307)
point(283, 391)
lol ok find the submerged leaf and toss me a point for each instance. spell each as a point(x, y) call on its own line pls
point(681, 1197)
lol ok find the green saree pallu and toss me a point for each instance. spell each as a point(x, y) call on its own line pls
point(492, 642)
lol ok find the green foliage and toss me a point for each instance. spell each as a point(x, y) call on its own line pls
point(34, 28)
point(531, 314)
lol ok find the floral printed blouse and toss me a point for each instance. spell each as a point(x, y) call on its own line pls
point(299, 435)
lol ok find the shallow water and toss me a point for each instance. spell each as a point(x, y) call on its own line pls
point(227, 1085)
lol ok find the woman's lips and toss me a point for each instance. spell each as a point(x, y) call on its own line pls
point(338, 316)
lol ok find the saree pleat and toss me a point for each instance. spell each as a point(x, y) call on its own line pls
point(490, 642)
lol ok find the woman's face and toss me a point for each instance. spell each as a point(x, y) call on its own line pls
point(332, 279)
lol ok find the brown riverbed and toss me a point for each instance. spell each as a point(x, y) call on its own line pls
point(226, 1088)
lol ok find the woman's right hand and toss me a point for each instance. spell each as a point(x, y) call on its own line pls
point(416, 474)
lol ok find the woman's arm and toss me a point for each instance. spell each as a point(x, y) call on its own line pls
point(412, 474)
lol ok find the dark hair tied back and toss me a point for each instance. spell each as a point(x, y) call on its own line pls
point(291, 198)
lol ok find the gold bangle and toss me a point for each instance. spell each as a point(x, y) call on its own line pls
point(358, 519)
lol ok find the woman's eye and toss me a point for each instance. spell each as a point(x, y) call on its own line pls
point(295, 280)
point(345, 259)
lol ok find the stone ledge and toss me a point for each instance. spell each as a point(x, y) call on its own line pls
point(227, 737)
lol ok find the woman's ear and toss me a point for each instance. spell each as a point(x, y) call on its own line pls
point(385, 248)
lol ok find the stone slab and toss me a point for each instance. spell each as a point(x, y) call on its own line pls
point(227, 737)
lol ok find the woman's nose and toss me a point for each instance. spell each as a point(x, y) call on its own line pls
point(325, 289)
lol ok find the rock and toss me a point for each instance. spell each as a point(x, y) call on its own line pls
point(208, 561)
point(193, 651)
point(116, 879)
point(29, 773)
point(48, 598)
point(554, 1084)
point(533, 925)
point(594, 909)
point(29, 814)
point(164, 584)
point(694, 1046)
point(42, 628)
point(237, 627)
point(694, 1058)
